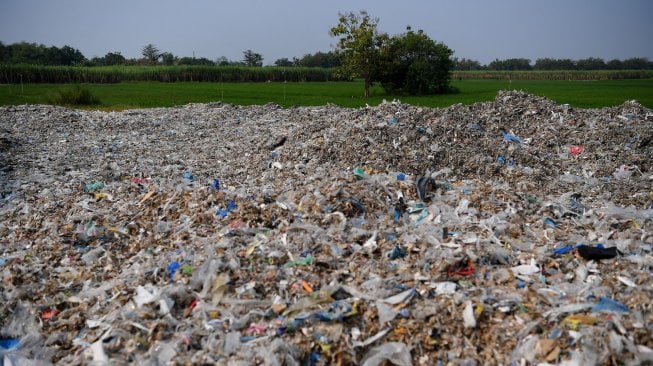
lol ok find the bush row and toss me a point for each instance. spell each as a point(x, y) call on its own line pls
point(555, 75)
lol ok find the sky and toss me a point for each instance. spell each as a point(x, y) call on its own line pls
point(482, 30)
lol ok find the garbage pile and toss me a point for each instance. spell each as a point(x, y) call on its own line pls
point(517, 231)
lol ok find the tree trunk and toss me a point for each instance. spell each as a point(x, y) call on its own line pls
point(368, 83)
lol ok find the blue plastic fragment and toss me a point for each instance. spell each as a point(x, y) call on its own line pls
point(2, 262)
point(216, 184)
point(563, 250)
point(608, 305)
point(172, 269)
point(550, 222)
point(395, 215)
point(501, 159)
point(315, 358)
point(555, 333)
point(397, 252)
point(188, 176)
point(401, 177)
point(224, 212)
point(9, 343)
point(511, 138)
point(521, 284)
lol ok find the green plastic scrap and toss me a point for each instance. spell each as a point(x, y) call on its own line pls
point(360, 173)
point(306, 261)
point(91, 187)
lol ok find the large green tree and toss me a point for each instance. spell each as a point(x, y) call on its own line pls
point(359, 44)
point(413, 63)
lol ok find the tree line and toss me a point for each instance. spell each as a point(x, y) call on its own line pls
point(39, 54)
point(524, 64)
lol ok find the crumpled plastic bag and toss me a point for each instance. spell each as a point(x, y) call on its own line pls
point(396, 352)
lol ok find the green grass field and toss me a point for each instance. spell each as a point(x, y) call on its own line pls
point(582, 94)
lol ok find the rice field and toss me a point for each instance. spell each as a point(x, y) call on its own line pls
point(127, 95)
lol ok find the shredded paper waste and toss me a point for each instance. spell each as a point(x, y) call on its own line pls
point(511, 232)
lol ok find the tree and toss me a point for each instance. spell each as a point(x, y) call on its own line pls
point(636, 63)
point(284, 62)
point(510, 64)
point(359, 44)
point(413, 63)
point(466, 64)
point(614, 65)
point(195, 61)
point(167, 58)
point(320, 59)
point(251, 58)
point(66, 56)
point(113, 58)
point(591, 63)
point(151, 53)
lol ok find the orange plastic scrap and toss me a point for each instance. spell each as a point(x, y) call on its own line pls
point(307, 287)
point(49, 314)
point(465, 271)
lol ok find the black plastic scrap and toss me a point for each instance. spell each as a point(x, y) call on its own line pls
point(424, 186)
point(278, 142)
point(597, 253)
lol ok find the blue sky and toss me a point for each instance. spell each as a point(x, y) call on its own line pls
point(482, 30)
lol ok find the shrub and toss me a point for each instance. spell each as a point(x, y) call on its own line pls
point(74, 95)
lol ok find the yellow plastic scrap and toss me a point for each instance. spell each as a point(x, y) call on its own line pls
point(573, 321)
point(325, 348)
point(479, 310)
point(251, 249)
point(101, 195)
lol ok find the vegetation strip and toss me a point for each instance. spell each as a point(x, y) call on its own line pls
point(584, 94)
